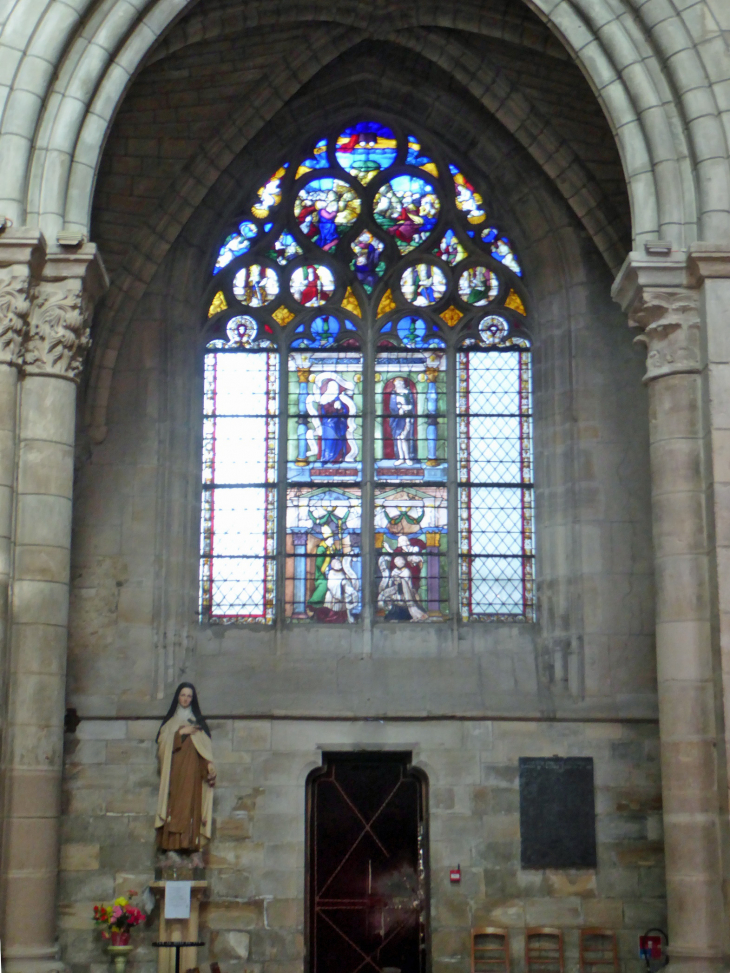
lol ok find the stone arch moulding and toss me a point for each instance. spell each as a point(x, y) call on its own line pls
point(56, 113)
point(197, 185)
point(512, 109)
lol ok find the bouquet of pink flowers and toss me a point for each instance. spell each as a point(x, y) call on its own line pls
point(118, 918)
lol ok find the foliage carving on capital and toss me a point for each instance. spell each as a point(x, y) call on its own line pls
point(670, 323)
point(14, 309)
point(59, 333)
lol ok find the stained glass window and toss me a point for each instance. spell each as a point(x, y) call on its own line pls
point(324, 473)
point(367, 421)
point(495, 474)
point(239, 476)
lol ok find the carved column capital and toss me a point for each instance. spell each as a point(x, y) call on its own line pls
point(660, 297)
point(14, 308)
point(59, 332)
point(21, 254)
point(670, 323)
point(62, 303)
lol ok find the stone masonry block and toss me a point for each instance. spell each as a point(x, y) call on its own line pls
point(252, 735)
point(79, 857)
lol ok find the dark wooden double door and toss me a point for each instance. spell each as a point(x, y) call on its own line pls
point(367, 868)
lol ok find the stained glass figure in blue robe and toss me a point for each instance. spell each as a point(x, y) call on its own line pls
point(365, 264)
point(335, 410)
point(333, 413)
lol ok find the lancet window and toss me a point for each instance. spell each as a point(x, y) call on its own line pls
point(367, 428)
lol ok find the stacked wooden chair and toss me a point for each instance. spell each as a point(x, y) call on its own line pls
point(598, 951)
point(544, 950)
point(489, 950)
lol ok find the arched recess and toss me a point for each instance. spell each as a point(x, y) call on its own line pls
point(481, 86)
point(553, 250)
point(641, 63)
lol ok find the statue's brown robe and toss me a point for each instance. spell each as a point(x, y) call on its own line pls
point(185, 803)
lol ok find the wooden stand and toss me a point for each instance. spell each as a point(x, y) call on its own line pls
point(180, 930)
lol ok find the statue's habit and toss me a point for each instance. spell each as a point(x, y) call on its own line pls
point(187, 775)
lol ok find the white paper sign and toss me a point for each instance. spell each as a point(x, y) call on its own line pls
point(177, 900)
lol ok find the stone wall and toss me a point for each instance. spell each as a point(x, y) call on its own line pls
point(137, 499)
point(133, 621)
point(65, 71)
point(253, 920)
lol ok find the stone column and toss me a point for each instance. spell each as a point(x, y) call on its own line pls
point(53, 353)
point(654, 291)
point(709, 270)
point(21, 254)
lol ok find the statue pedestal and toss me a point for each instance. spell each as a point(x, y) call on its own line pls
point(179, 930)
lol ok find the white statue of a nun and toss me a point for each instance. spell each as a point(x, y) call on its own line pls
point(187, 775)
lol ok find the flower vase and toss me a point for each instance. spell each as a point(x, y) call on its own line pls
point(119, 954)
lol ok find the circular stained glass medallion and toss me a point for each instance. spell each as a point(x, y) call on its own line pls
point(423, 284)
point(493, 330)
point(407, 208)
point(312, 285)
point(255, 285)
point(366, 149)
point(478, 285)
point(241, 331)
point(325, 209)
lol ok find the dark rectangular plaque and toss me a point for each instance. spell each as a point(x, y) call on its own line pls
point(557, 812)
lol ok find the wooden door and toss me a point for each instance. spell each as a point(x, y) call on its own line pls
point(367, 868)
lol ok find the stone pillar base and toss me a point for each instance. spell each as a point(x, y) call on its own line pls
point(31, 960)
point(695, 963)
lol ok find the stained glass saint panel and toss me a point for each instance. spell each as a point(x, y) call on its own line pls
point(411, 518)
point(325, 417)
point(410, 419)
point(324, 518)
point(323, 554)
point(495, 492)
point(411, 543)
point(238, 523)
